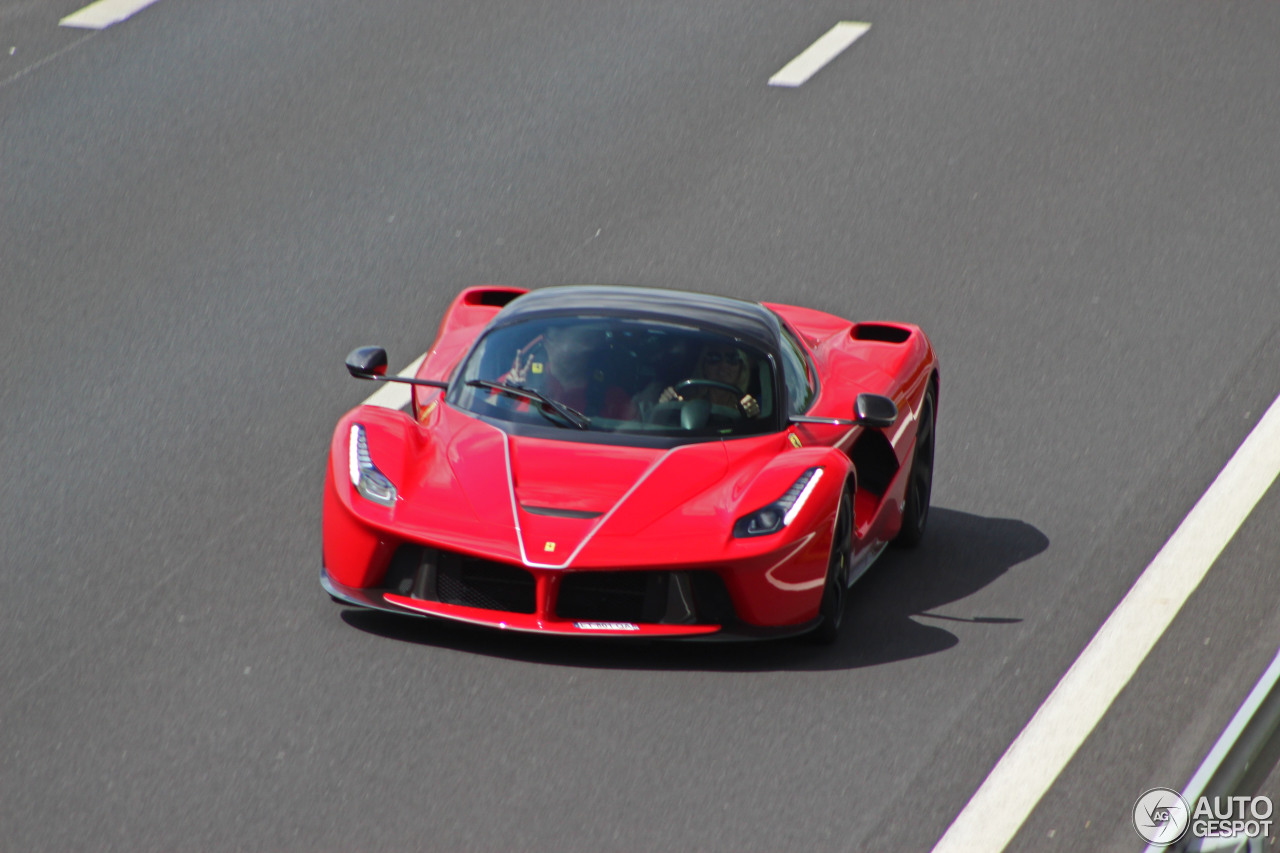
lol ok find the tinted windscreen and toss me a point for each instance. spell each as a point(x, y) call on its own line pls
point(613, 375)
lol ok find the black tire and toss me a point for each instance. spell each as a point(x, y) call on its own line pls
point(836, 588)
point(915, 517)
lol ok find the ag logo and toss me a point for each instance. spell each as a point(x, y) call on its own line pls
point(1161, 816)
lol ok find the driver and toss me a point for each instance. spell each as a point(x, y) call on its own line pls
point(570, 373)
point(727, 365)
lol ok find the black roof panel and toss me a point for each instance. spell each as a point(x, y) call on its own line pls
point(745, 319)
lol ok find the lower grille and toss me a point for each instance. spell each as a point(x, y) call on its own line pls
point(658, 597)
point(653, 597)
point(474, 582)
point(612, 596)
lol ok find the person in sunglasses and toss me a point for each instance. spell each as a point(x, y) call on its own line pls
point(726, 364)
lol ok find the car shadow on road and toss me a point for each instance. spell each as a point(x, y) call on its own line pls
point(960, 554)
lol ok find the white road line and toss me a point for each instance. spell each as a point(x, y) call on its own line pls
point(104, 13)
point(395, 395)
point(1035, 758)
point(33, 66)
point(818, 54)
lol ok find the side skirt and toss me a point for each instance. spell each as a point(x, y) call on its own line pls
point(864, 561)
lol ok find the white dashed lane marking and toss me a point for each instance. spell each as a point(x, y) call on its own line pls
point(818, 54)
point(104, 13)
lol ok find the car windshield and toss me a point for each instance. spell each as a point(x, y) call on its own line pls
point(611, 374)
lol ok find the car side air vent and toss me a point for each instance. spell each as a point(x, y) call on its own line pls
point(882, 332)
point(493, 297)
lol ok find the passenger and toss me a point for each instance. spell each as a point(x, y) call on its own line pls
point(725, 364)
point(571, 373)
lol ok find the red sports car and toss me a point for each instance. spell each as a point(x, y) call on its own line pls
point(633, 462)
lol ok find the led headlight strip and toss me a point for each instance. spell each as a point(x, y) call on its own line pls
point(371, 483)
point(780, 513)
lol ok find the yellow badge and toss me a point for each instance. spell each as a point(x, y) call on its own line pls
point(536, 367)
point(550, 546)
point(795, 440)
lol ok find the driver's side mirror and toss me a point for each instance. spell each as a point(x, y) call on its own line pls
point(367, 362)
point(875, 410)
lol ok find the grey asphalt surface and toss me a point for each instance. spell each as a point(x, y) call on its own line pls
point(204, 208)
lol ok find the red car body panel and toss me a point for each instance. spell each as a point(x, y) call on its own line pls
point(554, 508)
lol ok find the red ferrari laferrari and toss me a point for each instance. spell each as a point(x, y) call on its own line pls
point(633, 462)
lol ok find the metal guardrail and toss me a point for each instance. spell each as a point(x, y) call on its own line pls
point(1238, 764)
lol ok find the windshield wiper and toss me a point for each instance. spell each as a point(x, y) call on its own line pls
point(573, 416)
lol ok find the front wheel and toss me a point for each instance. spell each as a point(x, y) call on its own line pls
point(834, 592)
point(920, 487)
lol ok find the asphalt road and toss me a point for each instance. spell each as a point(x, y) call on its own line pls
point(203, 208)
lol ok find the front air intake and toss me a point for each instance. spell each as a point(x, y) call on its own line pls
point(474, 582)
point(653, 597)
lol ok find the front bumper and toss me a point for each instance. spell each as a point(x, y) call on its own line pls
point(542, 621)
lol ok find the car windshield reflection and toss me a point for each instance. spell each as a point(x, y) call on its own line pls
point(620, 375)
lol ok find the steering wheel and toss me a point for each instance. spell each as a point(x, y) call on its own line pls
point(708, 383)
point(693, 414)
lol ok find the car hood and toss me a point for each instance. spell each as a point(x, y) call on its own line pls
point(543, 500)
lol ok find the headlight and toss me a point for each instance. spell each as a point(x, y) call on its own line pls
point(371, 483)
point(780, 513)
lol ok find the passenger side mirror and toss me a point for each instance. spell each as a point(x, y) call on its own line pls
point(875, 410)
point(367, 362)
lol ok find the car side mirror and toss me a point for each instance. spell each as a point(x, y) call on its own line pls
point(875, 410)
point(367, 362)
